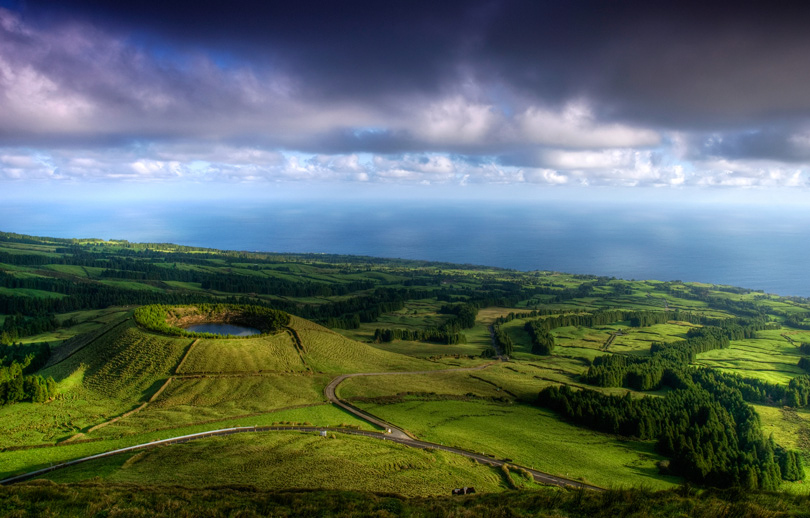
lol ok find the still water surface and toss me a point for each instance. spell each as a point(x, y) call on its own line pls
point(223, 329)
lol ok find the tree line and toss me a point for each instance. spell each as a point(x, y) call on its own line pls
point(17, 326)
point(17, 383)
point(462, 316)
point(502, 340)
point(666, 359)
point(543, 341)
point(711, 435)
point(435, 335)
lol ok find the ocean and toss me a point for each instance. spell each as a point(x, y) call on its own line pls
point(756, 248)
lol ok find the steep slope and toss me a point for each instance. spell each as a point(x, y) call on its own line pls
point(125, 363)
point(99, 377)
point(327, 351)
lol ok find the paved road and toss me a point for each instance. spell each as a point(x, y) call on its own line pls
point(393, 434)
point(539, 476)
point(398, 435)
point(396, 432)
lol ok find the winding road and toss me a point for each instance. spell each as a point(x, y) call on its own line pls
point(393, 434)
point(395, 431)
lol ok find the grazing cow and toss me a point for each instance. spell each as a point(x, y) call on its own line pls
point(464, 491)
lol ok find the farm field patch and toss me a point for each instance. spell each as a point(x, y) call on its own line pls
point(533, 437)
point(23, 460)
point(276, 460)
point(187, 401)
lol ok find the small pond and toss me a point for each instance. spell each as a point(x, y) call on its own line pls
point(223, 329)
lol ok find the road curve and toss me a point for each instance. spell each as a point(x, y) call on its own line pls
point(392, 433)
point(539, 476)
point(395, 432)
point(401, 436)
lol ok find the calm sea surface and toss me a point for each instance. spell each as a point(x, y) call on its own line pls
point(754, 248)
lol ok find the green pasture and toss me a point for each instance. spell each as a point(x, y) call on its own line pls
point(500, 381)
point(90, 272)
point(488, 315)
point(440, 384)
point(88, 321)
point(416, 315)
point(530, 436)
point(29, 248)
point(109, 438)
point(273, 353)
point(789, 428)
point(130, 285)
point(278, 460)
point(327, 351)
point(771, 358)
point(429, 350)
point(192, 286)
point(186, 401)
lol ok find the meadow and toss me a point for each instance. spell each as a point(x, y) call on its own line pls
point(295, 461)
point(275, 353)
point(120, 385)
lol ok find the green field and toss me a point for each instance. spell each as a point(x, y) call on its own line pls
point(295, 461)
point(275, 353)
point(327, 351)
point(532, 437)
point(120, 385)
point(769, 357)
point(192, 400)
point(14, 462)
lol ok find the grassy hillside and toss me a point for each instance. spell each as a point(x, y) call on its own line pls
point(295, 461)
point(210, 399)
point(126, 363)
point(120, 385)
point(276, 353)
point(531, 437)
point(327, 351)
point(108, 376)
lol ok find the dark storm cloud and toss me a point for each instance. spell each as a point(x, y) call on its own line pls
point(341, 48)
point(675, 64)
point(592, 92)
point(785, 144)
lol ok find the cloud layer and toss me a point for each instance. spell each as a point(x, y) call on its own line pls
point(557, 93)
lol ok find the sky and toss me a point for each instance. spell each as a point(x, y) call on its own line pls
point(691, 100)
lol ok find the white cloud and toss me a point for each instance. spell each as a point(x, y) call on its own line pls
point(455, 120)
point(574, 126)
point(612, 158)
point(188, 116)
point(548, 176)
point(617, 168)
point(750, 173)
